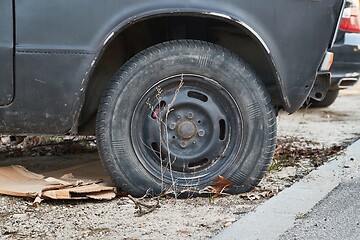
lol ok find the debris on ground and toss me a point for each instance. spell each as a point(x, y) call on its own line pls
point(290, 150)
point(293, 159)
point(21, 146)
point(79, 182)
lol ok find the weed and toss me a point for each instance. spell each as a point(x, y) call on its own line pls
point(300, 216)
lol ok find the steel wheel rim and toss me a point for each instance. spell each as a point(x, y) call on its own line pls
point(200, 136)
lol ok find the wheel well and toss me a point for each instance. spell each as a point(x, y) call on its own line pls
point(149, 32)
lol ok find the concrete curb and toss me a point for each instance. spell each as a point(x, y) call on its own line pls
point(271, 219)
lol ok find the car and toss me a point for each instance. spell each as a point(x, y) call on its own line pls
point(177, 92)
point(345, 70)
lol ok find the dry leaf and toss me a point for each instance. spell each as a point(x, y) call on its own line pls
point(219, 187)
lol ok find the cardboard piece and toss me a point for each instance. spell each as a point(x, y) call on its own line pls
point(84, 181)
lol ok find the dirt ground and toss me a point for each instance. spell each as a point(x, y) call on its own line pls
point(303, 137)
point(332, 125)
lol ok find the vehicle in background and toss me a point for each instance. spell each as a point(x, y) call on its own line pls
point(345, 71)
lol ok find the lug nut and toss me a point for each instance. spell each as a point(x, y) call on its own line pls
point(190, 115)
point(183, 144)
point(172, 126)
point(201, 133)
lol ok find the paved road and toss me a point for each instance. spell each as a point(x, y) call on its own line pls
point(335, 217)
point(323, 205)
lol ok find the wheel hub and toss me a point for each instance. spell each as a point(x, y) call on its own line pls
point(186, 130)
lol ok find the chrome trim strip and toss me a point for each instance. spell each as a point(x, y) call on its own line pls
point(338, 24)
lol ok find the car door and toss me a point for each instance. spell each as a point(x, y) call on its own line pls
point(6, 52)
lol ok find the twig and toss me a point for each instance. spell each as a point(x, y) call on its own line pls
point(168, 110)
point(139, 204)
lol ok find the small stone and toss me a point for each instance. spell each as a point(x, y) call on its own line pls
point(20, 216)
point(227, 224)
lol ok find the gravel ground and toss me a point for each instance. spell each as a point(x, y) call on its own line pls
point(303, 137)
